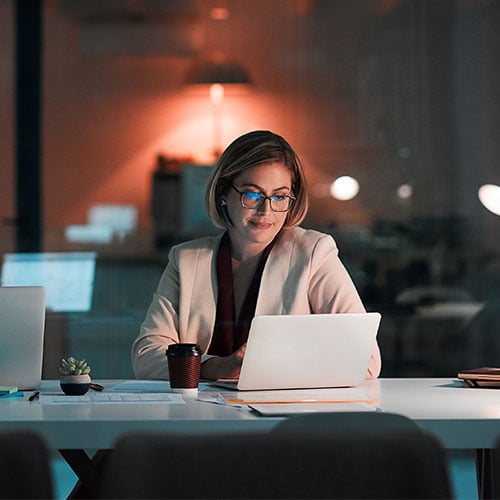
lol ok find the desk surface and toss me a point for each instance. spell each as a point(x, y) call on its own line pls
point(462, 418)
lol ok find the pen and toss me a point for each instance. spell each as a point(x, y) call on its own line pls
point(96, 387)
point(34, 396)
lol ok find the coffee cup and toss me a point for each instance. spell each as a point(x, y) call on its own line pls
point(184, 363)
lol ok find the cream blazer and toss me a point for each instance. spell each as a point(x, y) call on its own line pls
point(303, 274)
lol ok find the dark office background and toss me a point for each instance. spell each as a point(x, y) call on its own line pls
point(402, 95)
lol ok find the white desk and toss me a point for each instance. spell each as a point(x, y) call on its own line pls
point(461, 417)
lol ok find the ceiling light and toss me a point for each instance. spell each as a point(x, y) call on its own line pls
point(405, 191)
point(489, 195)
point(344, 188)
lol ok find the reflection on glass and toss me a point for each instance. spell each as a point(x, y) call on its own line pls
point(405, 191)
point(67, 276)
point(489, 194)
point(344, 188)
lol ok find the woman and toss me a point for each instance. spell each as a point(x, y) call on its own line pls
point(263, 263)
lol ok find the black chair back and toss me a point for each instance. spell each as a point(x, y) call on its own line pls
point(346, 465)
point(341, 421)
point(24, 466)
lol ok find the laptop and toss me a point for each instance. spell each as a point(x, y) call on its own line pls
point(22, 326)
point(307, 351)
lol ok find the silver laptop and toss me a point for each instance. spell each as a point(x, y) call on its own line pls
point(22, 326)
point(307, 351)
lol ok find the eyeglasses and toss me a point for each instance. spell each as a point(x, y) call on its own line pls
point(253, 200)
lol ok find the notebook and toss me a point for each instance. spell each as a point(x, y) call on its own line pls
point(22, 326)
point(485, 376)
point(307, 351)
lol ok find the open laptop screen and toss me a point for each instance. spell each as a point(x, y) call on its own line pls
point(68, 277)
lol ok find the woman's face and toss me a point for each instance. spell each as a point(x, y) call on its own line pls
point(254, 228)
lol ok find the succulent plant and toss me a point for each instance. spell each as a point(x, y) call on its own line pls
point(72, 366)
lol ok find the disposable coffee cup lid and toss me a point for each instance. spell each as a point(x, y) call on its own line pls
point(184, 350)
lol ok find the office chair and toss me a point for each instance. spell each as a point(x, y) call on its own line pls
point(328, 422)
point(24, 466)
point(488, 471)
point(224, 465)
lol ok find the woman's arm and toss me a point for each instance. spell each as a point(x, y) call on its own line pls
point(182, 310)
point(218, 367)
point(331, 290)
point(159, 329)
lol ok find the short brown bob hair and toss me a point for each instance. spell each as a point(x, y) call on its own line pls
point(252, 149)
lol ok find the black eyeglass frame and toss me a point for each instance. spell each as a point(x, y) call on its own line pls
point(263, 198)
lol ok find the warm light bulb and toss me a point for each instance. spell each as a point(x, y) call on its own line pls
point(489, 195)
point(405, 191)
point(217, 93)
point(344, 188)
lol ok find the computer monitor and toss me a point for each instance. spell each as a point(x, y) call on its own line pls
point(68, 277)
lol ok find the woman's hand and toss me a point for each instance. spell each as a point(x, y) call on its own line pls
point(223, 366)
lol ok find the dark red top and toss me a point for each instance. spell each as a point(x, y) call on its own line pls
point(230, 334)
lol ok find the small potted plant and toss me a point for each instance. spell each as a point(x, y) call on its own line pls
point(75, 378)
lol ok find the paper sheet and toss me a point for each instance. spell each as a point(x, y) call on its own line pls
point(111, 397)
point(276, 410)
point(309, 396)
point(141, 386)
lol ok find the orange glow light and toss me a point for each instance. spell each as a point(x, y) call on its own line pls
point(216, 93)
point(219, 13)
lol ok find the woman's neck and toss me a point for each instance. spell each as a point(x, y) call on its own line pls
point(249, 252)
point(243, 273)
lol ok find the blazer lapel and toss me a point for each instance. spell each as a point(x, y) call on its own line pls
point(203, 293)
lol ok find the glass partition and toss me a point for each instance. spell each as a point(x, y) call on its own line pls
point(399, 96)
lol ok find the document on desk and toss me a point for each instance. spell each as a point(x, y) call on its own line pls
point(340, 395)
point(141, 386)
point(112, 398)
point(286, 409)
